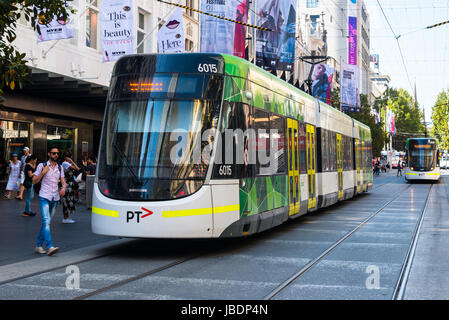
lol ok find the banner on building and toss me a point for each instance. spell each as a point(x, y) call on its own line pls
point(275, 50)
point(390, 122)
point(322, 82)
point(374, 58)
point(352, 32)
point(349, 87)
point(57, 29)
point(170, 38)
point(376, 114)
point(223, 36)
point(117, 32)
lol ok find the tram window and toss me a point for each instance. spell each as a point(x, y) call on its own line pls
point(236, 117)
point(324, 150)
point(346, 153)
point(189, 85)
point(302, 148)
point(262, 126)
point(278, 156)
point(290, 154)
point(309, 148)
point(332, 151)
point(213, 84)
point(295, 147)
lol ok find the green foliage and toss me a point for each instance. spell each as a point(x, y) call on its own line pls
point(408, 114)
point(440, 119)
point(13, 70)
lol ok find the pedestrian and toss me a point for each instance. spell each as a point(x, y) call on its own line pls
point(30, 167)
point(91, 165)
point(50, 173)
point(14, 176)
point(399, 169)
point(69, 199)
point(26, 153)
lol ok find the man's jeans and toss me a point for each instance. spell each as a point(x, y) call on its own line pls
point(30, 196)
point(47, 211)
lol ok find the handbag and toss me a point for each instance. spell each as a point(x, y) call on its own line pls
point(27, 184)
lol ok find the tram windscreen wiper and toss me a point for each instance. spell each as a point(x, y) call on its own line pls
point(125, 162)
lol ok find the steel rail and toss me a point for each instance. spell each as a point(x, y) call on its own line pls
point(314, 261)
point(399, 290)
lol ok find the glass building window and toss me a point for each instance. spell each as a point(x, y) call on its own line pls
point(312, 3)
point(92, 24)
point(141, 32)
point(14, 136)
point(60, 137)
point(190, 4)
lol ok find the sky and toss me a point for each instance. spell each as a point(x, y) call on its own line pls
point(425, 50)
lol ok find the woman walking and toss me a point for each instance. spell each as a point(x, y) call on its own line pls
point(68, 201)
point(30, 167)
point(14, 176)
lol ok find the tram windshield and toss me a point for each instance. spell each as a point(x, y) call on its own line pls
point(422, 156)
point(152, 135)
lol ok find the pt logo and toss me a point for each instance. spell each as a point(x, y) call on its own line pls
point(131, 215)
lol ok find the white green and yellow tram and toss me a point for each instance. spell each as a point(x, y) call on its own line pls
point(422, 159)
point(185, 143)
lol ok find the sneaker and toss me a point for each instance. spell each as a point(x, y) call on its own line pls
point(52, 251)
point(39, 250)
point(32, 213)
point(26, 214)
point(68, 220)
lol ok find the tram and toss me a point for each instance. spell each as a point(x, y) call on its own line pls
point(422, 159)
point(188, 142)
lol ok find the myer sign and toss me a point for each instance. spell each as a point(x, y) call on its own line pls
point(170, 37)
point(117, 34)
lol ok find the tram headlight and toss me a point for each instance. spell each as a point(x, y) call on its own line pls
point(432, 169)
point(411, 168)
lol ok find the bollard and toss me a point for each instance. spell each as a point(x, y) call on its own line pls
point(89, 190)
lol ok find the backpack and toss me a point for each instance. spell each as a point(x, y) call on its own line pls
point(37, 186)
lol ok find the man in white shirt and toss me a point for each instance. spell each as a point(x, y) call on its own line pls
point(50, 173)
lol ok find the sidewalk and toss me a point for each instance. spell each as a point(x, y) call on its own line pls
point(18, 234)
point(429, 275)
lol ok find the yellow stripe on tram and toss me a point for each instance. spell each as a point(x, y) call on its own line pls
point(105, 212)
point(198, 212)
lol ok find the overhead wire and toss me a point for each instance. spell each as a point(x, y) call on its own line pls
point(399, 46)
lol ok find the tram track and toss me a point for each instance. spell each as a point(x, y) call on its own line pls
point(275, 292)
point(181, 259)
point(401, 284)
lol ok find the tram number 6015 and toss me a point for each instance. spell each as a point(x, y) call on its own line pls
point(225, 170)
point(207, 67)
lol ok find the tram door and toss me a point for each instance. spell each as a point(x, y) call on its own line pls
point(357, 161)
point(363, 165)
point(293, 166)
point(311, 161)
point(339, 167)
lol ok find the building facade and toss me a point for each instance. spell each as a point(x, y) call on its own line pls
point(64, 104)
point(363, 50)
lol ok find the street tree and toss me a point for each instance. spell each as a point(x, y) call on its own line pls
point(440, 119)
point(378, 134)
point(13, 69)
